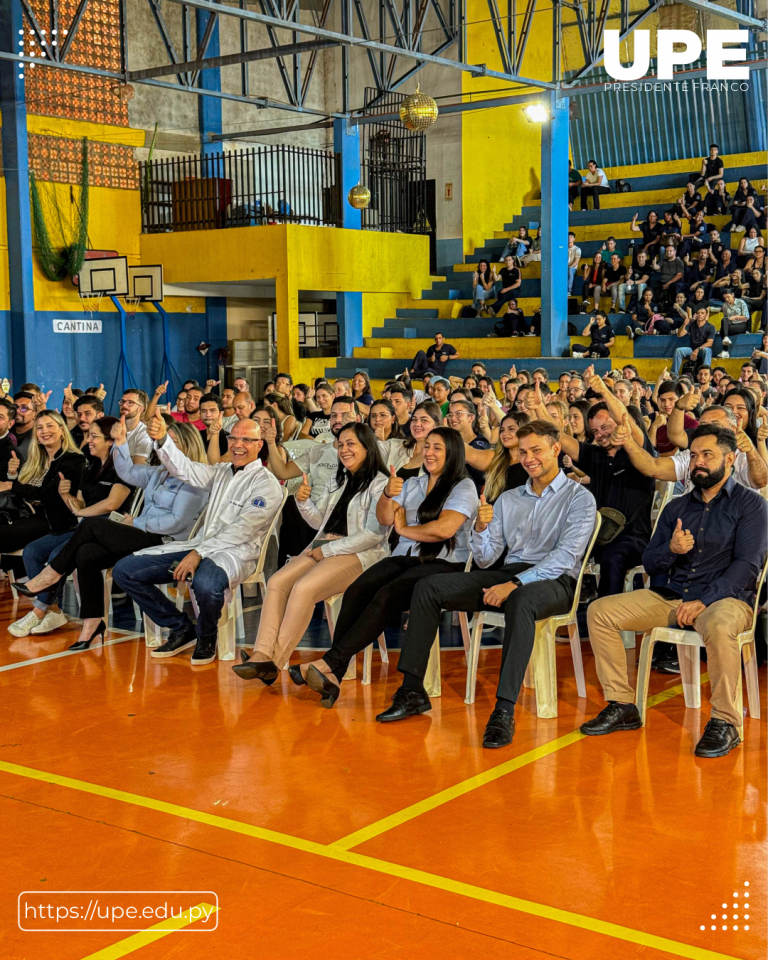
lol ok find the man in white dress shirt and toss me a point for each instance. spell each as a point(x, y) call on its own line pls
point(243, 500)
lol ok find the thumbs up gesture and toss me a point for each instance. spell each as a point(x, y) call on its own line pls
point(394, 484)
point(64, 486)
point(269, 434)
point(101, 392)
point(622, 431)
point(120, 431)
point(484, 514)
point(304, 490)
point(682, 540)
point(13, 466)
point(156, 427)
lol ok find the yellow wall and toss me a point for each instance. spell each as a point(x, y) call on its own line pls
point(501, 150)
point(387, 268)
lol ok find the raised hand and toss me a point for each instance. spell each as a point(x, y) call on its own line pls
point(13, 466)
point(394, 484)
point(513, 371)
point(101, 392)
point(682, 540)
point(596, 383)
point(210, 384)
point(743, 442)
point(269, 434)
point(484, 514)
point(120, 431)
point(68, 395)
point(64, 486)
point(304, 491)
point(156, 427)
point(622, 431)
point(40, 400)
point(161, 389)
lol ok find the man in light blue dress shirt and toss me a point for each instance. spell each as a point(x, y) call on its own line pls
point(544, 527)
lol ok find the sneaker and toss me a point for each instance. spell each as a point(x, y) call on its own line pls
point(718, 739)
point(177, 642)
point(530, 333)
point(630, 332)
point(51, 621)
point(739, 229)
point(23, 627)
point(723, 355)
point(205, 650)
point(727, 341)
point(641, 333)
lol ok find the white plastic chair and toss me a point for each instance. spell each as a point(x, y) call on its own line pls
point(688, 643)
point(433, 681)
point(233, 608)
point(543, 676)
point(332, 607)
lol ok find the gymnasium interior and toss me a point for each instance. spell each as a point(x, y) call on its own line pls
point(324, 236)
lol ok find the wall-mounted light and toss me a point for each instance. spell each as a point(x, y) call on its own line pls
point(536, 113)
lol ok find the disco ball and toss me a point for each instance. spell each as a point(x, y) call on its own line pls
point(418, 111)
point(359, 197)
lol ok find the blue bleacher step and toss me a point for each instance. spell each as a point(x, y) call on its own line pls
point(410, 313)
point(496, 366)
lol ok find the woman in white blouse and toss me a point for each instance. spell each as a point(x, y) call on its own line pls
point(349, 540)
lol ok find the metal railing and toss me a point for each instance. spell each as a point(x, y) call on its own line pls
point(253, 187)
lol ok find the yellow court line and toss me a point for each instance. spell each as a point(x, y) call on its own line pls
point(333, 852)
point(152, 934)
point(479, 780)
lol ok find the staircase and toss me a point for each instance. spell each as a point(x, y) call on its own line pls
point(655, 186)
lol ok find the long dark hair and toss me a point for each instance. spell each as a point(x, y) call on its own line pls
point(746, 396)
point(432, 505)
point(484, 274)
point(431, 408)
point(583, 407)
point(370, 467)
point(395, 432)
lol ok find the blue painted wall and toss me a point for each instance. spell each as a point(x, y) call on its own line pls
point(90, 358)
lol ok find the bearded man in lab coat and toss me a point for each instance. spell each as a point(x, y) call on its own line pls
point(243, 500)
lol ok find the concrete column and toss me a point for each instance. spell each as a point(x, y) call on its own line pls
point(287, 304)
point(554, 226)
point(349, 306)
point(17, 203)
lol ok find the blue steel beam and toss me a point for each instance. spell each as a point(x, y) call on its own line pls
point(554, 229)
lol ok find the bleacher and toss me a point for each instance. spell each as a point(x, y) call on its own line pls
point(655, 186)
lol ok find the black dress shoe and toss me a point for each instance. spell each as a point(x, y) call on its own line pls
point(177, 642)
point(323, 685)
point(405, 703)
point(719, 738)
point(264, 670)
point(499, 730)
point(616, 716)
point(671, 666)
point(296, 675)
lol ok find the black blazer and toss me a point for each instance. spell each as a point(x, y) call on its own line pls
point(46, 497)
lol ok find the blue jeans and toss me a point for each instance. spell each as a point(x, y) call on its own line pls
point(571, 278)
point(705, 356)
point(138, 576)
point(36, 556)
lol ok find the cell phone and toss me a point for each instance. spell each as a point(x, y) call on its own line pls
point(116, 516)
point(172, 570)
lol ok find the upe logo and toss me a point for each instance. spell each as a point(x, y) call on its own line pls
point(717, 54)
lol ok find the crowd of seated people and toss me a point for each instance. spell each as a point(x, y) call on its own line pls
point(391, 497)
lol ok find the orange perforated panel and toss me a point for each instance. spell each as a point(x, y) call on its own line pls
point(58, 159)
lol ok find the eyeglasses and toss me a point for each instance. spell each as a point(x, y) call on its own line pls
point(243, 440)
point(20, 409)
point(127, 403)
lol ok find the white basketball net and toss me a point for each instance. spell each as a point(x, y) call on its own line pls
point(92, 304)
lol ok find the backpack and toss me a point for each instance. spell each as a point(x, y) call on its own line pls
point(468, 313)
point(623, 186)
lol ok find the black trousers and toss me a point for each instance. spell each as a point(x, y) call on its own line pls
point(377, 599)
point(98, 544)
point(735, 327)
point(464, 591)
point(295, 533)
point(615, 559)
point(20, 533)
point(504, 298)
point(593, 350)
point(593, 192)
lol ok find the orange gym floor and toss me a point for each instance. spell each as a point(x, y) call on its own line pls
point(325, 834)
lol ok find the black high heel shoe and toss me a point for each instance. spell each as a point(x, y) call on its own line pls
point(24, 590)
point(323, 685)
point(84, 644)
point(296, 675)
point(264, 670)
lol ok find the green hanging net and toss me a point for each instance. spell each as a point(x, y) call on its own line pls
point(61, 238)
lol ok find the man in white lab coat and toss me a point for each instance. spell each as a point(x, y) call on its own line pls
point(243, 500)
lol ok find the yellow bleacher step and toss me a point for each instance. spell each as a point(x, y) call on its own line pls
point(470, 346)
point(374, 352)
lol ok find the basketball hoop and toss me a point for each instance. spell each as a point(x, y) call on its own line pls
point(91, 303)
point(131, 305)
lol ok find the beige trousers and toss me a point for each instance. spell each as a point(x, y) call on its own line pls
point(643, 610)
point(292, 593)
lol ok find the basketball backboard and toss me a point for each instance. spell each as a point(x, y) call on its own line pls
point(146, 282)
point(104, 277)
